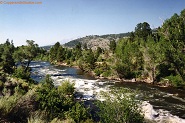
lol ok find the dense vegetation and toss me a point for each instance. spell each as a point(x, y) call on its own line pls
point(23, 100)
point(150, 55)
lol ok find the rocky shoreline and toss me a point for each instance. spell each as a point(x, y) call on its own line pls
point(159, 116)
point(117, 79)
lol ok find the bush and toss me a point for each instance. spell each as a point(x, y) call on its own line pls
point(120, 106)
point(124, 71)
point(55, 101)
point(176, 81)
point(79, 113)
point(97, 72)
point(20, 90)
point(106, 73)
point(47, 83)
point(66, 88)
point(7, 103)
point(68, 62)
point(21, 73)
point(50, 101)
point(1, 84)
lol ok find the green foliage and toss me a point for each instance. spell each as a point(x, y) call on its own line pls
point(130, 59)
point(106, 73)
point(25, 54)
point(20, 73)
point(60, 54)
point(78, 113)
point(47, 82)
point(1, 84)
point(98, 52)
point(132, 36)
point(88, 57)
point(42, 55)
point(124, 71)
point(143, 30)
point(50, 101)
point(54, 52)
point(176, 81)
point(173, 34)
point(78, 51)
point(19, 90)
point(87, 61)
point(112, 45)
point(6, 60)
point(55, 101)
point(153, 53)
point(120, 106)
point(7, 103)
point(98, 72)
point(66, 88)
point(59, 102)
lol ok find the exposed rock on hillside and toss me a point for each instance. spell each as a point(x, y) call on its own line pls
point(94, 41)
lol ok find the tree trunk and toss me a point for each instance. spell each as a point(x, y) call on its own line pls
point(28, 64)
point(153, 75)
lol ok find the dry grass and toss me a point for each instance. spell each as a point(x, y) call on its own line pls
point(7, 103)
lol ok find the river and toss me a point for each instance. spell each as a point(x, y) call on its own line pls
point(168, 100)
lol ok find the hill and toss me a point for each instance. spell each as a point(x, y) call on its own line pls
point(47, 47)
point(94, 41)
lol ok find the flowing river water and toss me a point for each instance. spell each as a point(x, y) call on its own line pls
point(167, 101)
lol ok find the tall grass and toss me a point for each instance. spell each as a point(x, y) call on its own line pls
point(7, 103)
point(41, 117)
point(37, 117)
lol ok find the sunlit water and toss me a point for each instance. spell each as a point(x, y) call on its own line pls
point(88, 88)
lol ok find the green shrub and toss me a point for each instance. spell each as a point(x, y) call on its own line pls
point(1, 84)
point(59, 102)
point(120, 106)
point(21, 73)
point(176, 81)
point(20, 90)
point(7, 103)
point(50, 101)
point(106, 73)
point(68, 62)
point(47, 83)
point(66, 88)
point(79, 113)
point(124, 71)
point(55, 101)
point(97, 72)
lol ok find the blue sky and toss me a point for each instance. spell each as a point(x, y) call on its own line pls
point(63, 20)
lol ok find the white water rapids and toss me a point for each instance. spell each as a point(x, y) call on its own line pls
point(90, 89)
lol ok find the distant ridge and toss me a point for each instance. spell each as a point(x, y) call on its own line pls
point(94, 41)
point(47, 47)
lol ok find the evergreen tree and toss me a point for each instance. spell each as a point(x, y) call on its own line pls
point(60, 54)
point(112, 45)
point(6, 59)
point(142, 30)
point(54, 52)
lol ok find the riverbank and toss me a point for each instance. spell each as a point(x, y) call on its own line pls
point(163, 84)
